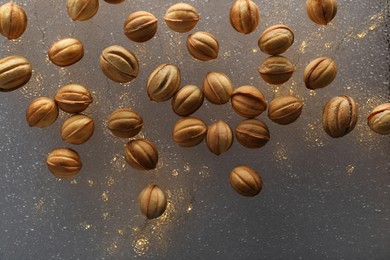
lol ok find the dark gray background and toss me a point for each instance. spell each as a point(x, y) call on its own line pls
point(323, 198)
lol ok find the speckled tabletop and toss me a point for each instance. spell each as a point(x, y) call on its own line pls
point(323, 198)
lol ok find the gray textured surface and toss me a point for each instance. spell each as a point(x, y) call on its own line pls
point(323, 198)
